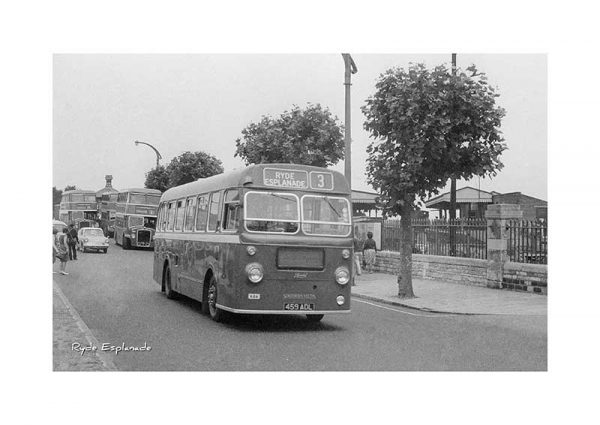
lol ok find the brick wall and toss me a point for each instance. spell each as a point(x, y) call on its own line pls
point(526, 277)
point(467, 271)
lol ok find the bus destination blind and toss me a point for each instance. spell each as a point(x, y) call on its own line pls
point(297, 179)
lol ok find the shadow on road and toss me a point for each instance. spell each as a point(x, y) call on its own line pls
point(262, 322)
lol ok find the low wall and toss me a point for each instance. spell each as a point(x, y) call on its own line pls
point(467, 271)
point(526, 277)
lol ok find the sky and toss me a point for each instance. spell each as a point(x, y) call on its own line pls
point(189, 102)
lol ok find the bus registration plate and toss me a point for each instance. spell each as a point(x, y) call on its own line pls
point(299, 306)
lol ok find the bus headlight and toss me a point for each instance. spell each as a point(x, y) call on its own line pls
point(340, 300)
point(346, 253)
point(254, 272)
point(251, 250)
point(132, 236)
point(342, 275)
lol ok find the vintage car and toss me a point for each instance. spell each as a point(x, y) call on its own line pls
point(92, 238)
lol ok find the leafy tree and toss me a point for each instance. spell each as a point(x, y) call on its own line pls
point(191, 166)
point(56, 195)
point(310, 136)
point(157, 178)
point(428, 126)
point(70, 188)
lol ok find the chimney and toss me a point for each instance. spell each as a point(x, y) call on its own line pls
point(108, 178)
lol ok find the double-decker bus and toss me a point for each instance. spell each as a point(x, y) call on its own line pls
point(135, 217)
point(267, 239)
point(108, 213)
point(79, 207)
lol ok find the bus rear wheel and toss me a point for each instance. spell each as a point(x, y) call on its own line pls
point(168, 289)
point(215, 312)
point(314, 317)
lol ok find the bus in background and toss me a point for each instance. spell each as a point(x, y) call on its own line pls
point(135, 217)
point(108, 213)
point(79, 207)
point(266, 239)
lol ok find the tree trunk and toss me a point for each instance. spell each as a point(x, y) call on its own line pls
point(405, 288)
point(452, 217)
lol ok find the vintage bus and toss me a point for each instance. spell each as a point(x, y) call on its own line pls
point(79, 207)
point(135, 217)
point(267, 239)
point(108, 213)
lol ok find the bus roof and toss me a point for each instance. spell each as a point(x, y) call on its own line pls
point(253, 177)
point(78, 191)
point(141, 190)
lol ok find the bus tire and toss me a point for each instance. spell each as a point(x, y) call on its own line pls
point(314, 317)
point(168, 289)
point(126, 243)
point(215, 312)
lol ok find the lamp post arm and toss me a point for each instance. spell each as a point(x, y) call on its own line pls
point(158, 156)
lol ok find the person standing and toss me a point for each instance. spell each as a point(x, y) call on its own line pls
point(62, 249)
point(357, 249)
point(369, 252)
point(72, 242)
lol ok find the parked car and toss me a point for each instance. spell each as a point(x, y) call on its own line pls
point(92, 238)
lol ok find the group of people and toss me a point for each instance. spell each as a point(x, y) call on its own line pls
point(368, 247)
point(64, 247)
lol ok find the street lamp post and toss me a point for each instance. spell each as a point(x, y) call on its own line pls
point(350, 68)
point(158, 157)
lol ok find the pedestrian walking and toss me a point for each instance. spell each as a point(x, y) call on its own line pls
point(62, 249)
point(72, 242)
point(369, 252)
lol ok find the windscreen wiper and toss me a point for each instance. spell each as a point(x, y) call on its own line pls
point(332, 207)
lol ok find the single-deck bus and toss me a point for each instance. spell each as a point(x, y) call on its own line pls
point(266, 239)
point(135, 217)
point(79, 207)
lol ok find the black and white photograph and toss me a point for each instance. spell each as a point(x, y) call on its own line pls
point(384, 212)
point(273, 212)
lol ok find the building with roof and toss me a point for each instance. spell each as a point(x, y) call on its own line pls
point(472, 203)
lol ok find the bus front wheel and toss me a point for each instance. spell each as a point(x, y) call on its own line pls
point(126, 243)
point(215, 312)
point(314, 317)
point(168, 289)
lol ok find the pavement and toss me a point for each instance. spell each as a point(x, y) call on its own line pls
point(68, 329)
point(445, 297)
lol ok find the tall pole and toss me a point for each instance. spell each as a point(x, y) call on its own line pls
point(453, 187)
point(350, 68)
point(158, 156)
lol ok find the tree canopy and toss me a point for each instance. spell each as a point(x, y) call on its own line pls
point(185, 168)
point(56, 195)
point(310, 136)
point(157, 178)
point(429, 126)
point(70, 187)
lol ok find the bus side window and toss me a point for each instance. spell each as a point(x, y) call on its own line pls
point(202, 214)
point(171, 215)
point(179, 215)
point(213, 216)
point(190, 205)
point(232, 210)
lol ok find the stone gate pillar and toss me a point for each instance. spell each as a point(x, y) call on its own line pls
point(497, 216)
